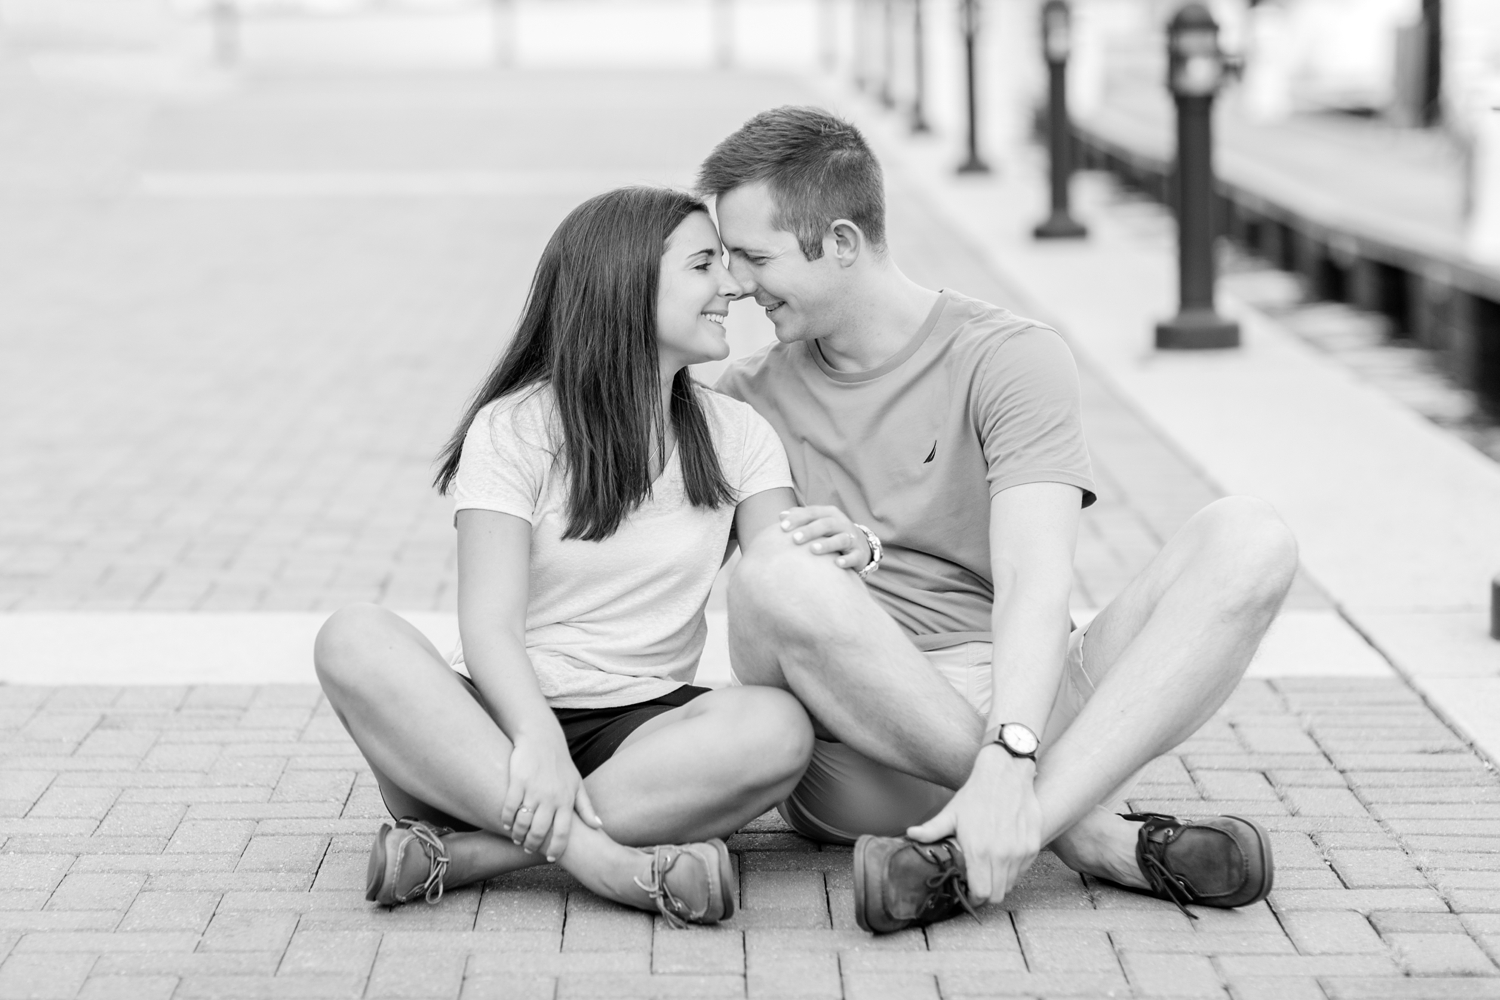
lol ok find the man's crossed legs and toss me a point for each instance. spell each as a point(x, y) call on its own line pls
point(1152, 667)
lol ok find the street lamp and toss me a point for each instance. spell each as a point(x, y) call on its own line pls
point(919, 70)
point(1195, 69)
point(1057, 42)
point(968, 22)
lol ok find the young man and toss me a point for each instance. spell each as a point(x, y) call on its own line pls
point(953, 704)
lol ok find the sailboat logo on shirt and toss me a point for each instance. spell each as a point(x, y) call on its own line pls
point(931, 454)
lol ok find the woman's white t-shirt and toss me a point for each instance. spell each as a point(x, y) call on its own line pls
point(617, 621)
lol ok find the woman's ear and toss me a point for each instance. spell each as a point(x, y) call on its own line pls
point(848, 242)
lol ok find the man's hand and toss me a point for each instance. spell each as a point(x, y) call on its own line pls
point(828, 530)
point(997, 820)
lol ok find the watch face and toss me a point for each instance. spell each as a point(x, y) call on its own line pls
point(1018, 738)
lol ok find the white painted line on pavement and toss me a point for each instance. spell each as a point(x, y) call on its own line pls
point(396, 184)
point(1305, 642)
point(118, 648)
point(270, 647)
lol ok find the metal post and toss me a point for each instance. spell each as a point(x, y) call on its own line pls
point(859, 33)
point(1056, 43)
point(226, 30)
point(504, 24)
point(828, 25)
point(1195, 70)
point(724, 33)
point(969, 21)
point(1495, 608)
point(919, 71)
point(888, 53)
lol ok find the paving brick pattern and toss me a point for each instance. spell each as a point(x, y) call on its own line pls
point(211, 842)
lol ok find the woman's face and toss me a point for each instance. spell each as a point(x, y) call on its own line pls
point(693, 296)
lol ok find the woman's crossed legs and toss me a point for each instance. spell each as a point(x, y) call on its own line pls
point(695, 772)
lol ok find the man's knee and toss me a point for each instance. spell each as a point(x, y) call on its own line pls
point(1252, 547)
point(784, 588)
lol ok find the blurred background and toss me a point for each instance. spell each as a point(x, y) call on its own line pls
point(254, 254)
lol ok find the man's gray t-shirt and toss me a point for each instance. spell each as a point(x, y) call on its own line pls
point(978, 401)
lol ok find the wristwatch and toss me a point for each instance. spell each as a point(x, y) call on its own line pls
point(1014, 738)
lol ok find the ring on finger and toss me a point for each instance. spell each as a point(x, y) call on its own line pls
point(523, 809)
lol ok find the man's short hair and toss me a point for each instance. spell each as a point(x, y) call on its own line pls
point(817, 166)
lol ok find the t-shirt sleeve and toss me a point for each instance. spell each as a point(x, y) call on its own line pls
point(1029, 414)
point(501, 467)
point(763, 465)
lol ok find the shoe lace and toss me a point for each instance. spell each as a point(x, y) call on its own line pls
point(948, 883)
point(1160, 877)
point(437, 862)
point(663, 860)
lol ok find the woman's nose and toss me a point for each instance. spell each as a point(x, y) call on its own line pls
point(731, 286)
point(738, 280)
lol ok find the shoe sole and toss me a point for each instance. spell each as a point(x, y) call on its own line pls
point(1267, 864)
point(860, 892)
point(375, 873)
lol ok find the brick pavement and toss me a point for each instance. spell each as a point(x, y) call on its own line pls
point(211, 841)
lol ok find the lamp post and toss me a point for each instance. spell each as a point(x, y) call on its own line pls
point(1195, 68)
point(225, 16)
point(888, 53)
point(860, 33)
point(1495, 608)
point(919, 70)
point(968, 21)
point(1057, 41)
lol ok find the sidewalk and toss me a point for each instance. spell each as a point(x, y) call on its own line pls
point(209, 840)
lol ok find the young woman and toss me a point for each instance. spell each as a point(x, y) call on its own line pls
point(595, 486)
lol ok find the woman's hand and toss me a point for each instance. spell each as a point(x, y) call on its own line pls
point(828, 530)
point(544, 792)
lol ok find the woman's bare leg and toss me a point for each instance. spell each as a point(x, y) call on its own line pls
point(683, 776)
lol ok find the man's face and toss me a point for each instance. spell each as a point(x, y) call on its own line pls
point(797, 294)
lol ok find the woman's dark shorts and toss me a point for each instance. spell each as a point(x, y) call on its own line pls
point(594, 734)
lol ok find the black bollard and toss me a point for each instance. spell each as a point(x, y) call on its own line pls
point(861, 35)
point(1056, 43)
point(1195, 69)
point(1495, 608)
point(919, 70)
point(968, 13)
point(225, 15)
point(888, 53)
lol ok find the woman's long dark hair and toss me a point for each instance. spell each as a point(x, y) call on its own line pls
point(589, 329)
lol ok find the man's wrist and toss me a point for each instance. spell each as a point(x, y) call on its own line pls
point(995, 755)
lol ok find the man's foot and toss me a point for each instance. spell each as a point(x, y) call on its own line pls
point(408, 860)
point(691, 883)
point(1222, 861)
point(901, 883)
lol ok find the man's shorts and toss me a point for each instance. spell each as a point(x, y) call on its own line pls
point(844, 794)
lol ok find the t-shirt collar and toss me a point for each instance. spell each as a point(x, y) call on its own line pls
point(889, 364)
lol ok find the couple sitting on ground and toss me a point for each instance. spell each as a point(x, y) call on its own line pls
point(903, 473)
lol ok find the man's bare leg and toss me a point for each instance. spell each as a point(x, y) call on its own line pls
point(1164, 655)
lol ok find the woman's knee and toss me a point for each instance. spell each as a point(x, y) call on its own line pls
point(342, 650)
point(774, 734)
